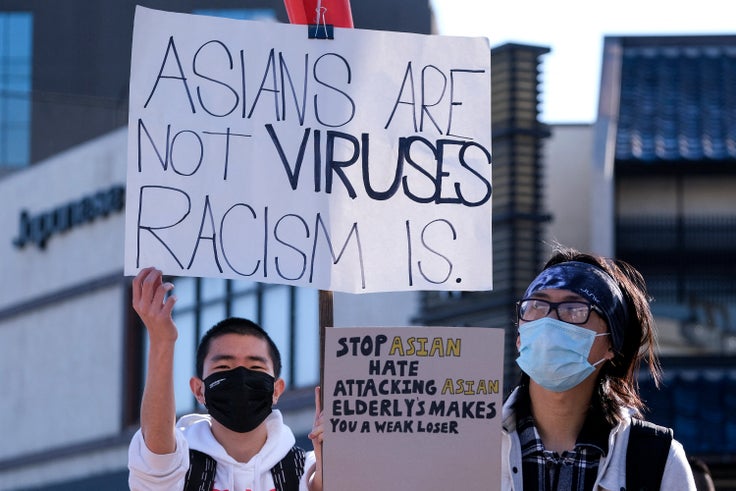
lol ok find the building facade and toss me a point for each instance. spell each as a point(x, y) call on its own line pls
point(654, 186)
point(673, 155)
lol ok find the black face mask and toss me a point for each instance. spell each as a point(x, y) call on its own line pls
point(239, 399)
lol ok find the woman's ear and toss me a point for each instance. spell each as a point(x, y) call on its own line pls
point(610, 354)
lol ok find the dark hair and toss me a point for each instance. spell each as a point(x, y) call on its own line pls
point(701, 474)
point(237, 325)
point(618, 385)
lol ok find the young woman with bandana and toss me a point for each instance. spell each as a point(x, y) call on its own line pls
point(584, 328)
point(238, 367)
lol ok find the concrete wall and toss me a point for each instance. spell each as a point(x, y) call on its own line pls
point(61, 320)
point(568, 193)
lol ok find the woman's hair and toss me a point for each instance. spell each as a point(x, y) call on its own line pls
point(618, 385)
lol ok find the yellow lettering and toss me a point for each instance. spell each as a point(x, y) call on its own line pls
point(459, 386)
point(422, 351)
point(470, 387)
point(482, 387)
point(410, 349)
point(453, 347)
point(448, 387)
point(396, 347)
point(413, 346)
point(437, 346)
point(493, 386)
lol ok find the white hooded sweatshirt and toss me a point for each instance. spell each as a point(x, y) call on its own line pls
point(153, 472)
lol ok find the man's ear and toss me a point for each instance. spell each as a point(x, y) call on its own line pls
point(278, 388)
point(197, 386)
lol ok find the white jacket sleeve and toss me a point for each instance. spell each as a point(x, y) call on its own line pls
point(677, 472)
point(153, 472)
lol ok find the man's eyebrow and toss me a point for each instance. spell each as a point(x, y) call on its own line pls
point(226, 357)
point(217, 358)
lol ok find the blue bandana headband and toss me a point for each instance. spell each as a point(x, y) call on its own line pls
point(591, 283)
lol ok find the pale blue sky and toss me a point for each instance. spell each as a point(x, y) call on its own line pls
point(574, 30)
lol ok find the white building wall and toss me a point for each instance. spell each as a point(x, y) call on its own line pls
point(567, 188)
point(88, 251)
point(61, 339)
point(68, 360)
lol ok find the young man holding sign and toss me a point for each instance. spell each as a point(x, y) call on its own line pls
point(243, 444)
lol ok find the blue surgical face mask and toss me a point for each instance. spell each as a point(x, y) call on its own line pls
point(555, 354)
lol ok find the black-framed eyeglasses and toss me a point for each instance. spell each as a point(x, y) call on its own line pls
point(573, 312)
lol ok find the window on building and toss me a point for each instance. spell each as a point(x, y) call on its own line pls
point(16, 38)
point(290, 315)
point(687, 262)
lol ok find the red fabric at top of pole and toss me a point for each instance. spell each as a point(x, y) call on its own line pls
point(336, 12)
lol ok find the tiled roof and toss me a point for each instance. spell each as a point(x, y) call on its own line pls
point(678, 99)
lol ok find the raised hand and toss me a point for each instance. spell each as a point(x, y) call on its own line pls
point(158, 408)
point(152, 305)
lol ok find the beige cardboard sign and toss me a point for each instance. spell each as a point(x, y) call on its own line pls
point(414, 408)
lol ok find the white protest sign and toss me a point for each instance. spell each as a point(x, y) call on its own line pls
point(412, 408)
point(359, 164)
